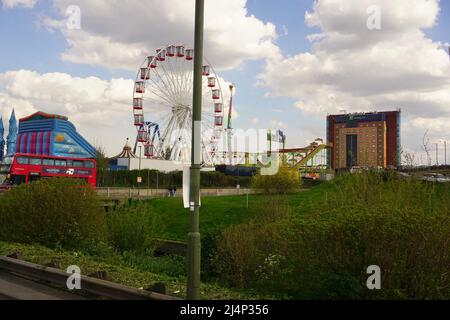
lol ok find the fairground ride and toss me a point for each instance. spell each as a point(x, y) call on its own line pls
point(162, 106)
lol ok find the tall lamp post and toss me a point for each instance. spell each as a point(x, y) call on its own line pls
point(140, 157)
point(140, 176)
point(193, 254)
point(445, 151)
point(437, 154)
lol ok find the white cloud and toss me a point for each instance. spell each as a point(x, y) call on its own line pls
point(120, 34)
point(355, 69)
point(255, 121)
point(285, 30)
point(9, 4)
point(277, 124)
point(350, 17)
point(439, 126)
point(101, 109)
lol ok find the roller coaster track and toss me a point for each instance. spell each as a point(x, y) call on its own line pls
point(309, 154)
point(301, 156)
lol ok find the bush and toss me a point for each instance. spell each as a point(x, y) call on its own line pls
point(241, 249)
point(154, 179)
point(403, 226)
point(287, 180)
point(55, 213)
point(132, 230)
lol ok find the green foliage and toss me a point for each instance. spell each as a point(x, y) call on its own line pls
point(127, 270)
point(217, 213)
point(403, 226)
point(315, 244)
point(174, 266)
point(287, 180)
point(241, 249)
point(131, 229)
point(102, 163)
point(216, 179)
point(155, 179)
point(54, 212)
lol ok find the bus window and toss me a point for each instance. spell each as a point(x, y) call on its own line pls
point(89, 164)
point(69, 163)
point(33, 177)
point(78, 164)
point(35, 161)
point(22, 160)
point(17, 179)
point(48, 162)
point(60, 163)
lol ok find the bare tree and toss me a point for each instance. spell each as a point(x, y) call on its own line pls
point(408, 158)
point(426, 147)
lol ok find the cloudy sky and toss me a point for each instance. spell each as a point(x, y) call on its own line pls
point(293, 61)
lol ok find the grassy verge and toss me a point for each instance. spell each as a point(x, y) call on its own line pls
point(218, 213)
point(321, 243)
point(123, 270)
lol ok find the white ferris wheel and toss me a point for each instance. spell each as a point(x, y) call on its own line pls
point(162, 106)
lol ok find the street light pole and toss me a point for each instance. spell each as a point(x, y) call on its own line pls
point(437, 154)
point(445, 151)
point(193, 254)
point(140, 177)
point(140, 157)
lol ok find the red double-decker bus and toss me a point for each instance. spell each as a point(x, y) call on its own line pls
point(26, 168)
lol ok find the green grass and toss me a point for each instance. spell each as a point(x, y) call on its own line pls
point(218, 213)
point(122, 270)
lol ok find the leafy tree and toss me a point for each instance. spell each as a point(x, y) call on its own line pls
point(287, 180)
point(102, 163)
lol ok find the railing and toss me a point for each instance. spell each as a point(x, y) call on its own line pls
point(92, 286)
point(131, 193)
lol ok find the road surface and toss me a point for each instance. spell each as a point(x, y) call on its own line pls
point(14, 287)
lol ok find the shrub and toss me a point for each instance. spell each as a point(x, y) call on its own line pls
point(154, 179)
point(133, 230)
point(55, 213)
point(287, 180)
point(241, 249)
point(403, 226)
